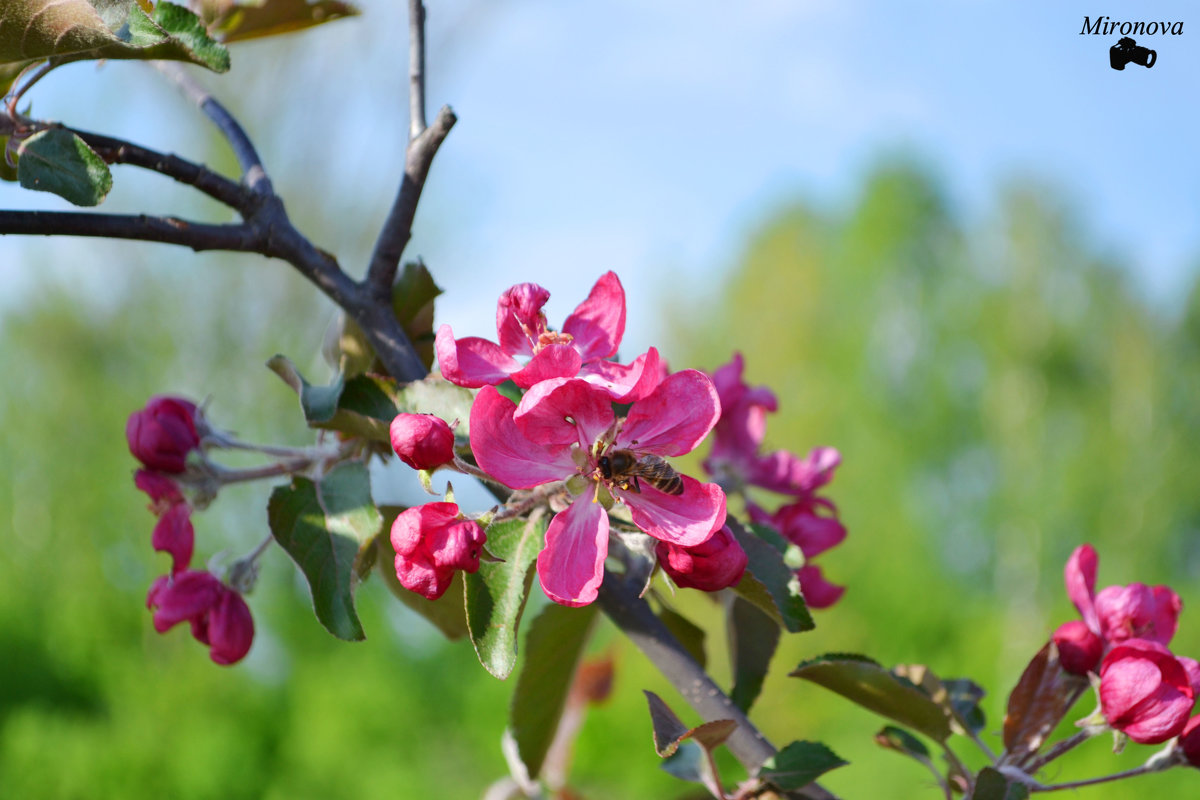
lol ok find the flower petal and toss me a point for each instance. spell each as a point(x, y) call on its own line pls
point(553, 361)
point(472, 362)
point(685, 519)
point(230, 629)
point(519, 318)
point(188, 595)
point(674, 418)
point(571, 566)
point(1080, 577)
point(505, 453)
point(598, 323)
point(174, 534)
point(818, 592)
point(564, 411)
point(626, 383)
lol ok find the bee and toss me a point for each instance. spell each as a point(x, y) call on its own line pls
point(624, 467)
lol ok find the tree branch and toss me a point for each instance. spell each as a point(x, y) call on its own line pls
point(254, 175)
point(633, 616)
point(397, 229)
point(416, 68)
point(118, 151)
point(168, 230)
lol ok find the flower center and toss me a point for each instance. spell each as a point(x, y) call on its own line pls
point(548, 337)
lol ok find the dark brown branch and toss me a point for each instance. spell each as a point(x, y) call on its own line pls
point(254, 175)
point(633, 616)
point(397, 230)
point(168, 230)
point(118, 151)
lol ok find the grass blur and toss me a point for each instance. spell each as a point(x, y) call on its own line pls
point(999, 393)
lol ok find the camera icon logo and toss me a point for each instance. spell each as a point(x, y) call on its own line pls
point(1127, 50)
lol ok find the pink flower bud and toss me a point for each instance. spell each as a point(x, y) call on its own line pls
point(1145, 691)
point(715, 564)
point(163, 433)
point(432, 542)
point(1079, 649)
point(218, 615)
point(174, 534)
point(422, 441)
point(1189, 741)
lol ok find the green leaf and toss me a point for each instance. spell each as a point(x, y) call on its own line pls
point(59, 162)
point(865, 682)
point(553, 648)
point(992, 785)
point(255, 20)
point(412, 301)
point(497, 593)
point(688, 763)
point(892, 738)
point(323, 526)
point(689, 635)
point(319, 403)
point(669, 730)
point(74, 30)
point(799, 764)
point(753, 637)
point(769, 583)
point(963, 698)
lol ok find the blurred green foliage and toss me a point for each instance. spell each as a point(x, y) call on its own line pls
point(998, 391)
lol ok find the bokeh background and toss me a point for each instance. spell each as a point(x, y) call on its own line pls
point(958, 246)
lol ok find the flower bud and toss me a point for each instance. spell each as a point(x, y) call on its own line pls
point(1079, 649)
point(218, 615)
point(163, 433)
point(422, 441)
point(432, 542)
point(1138, 611)
point(1145, 691)
point(174, 534)
point(715, 564)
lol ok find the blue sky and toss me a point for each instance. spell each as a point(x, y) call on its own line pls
point(651, 138)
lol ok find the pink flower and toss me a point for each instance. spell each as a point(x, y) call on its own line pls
point(218, 615)
point(422, 441)
point(1079, 649)
point(163, 433)
point(735, 461)
point(432, 542)
point(589, 337)
point(174, 534)
point(565, 428)
point(709, 566)
point(818, 592)
point(1119, 613)
point(1144, 691)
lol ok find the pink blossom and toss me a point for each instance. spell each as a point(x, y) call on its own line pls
point(589, 337)
point(432, 542)
point(174, 534)
point(565, 428)
point(163, 433)
point(709, 566)
point(1079, 649)
point(804, 523)
point(1144, 691)
point(1119, 613)
point(422, 441)
point(218, 615)
point(818, 592)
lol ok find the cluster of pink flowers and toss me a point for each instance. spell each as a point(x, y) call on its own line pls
point(163, 435)
point(1145, 690)
point(736, 462)
point(566, 428)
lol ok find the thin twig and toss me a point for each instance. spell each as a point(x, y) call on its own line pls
point(254, 175)
point(397, 229)
point(168, 230)
point(416, 68)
